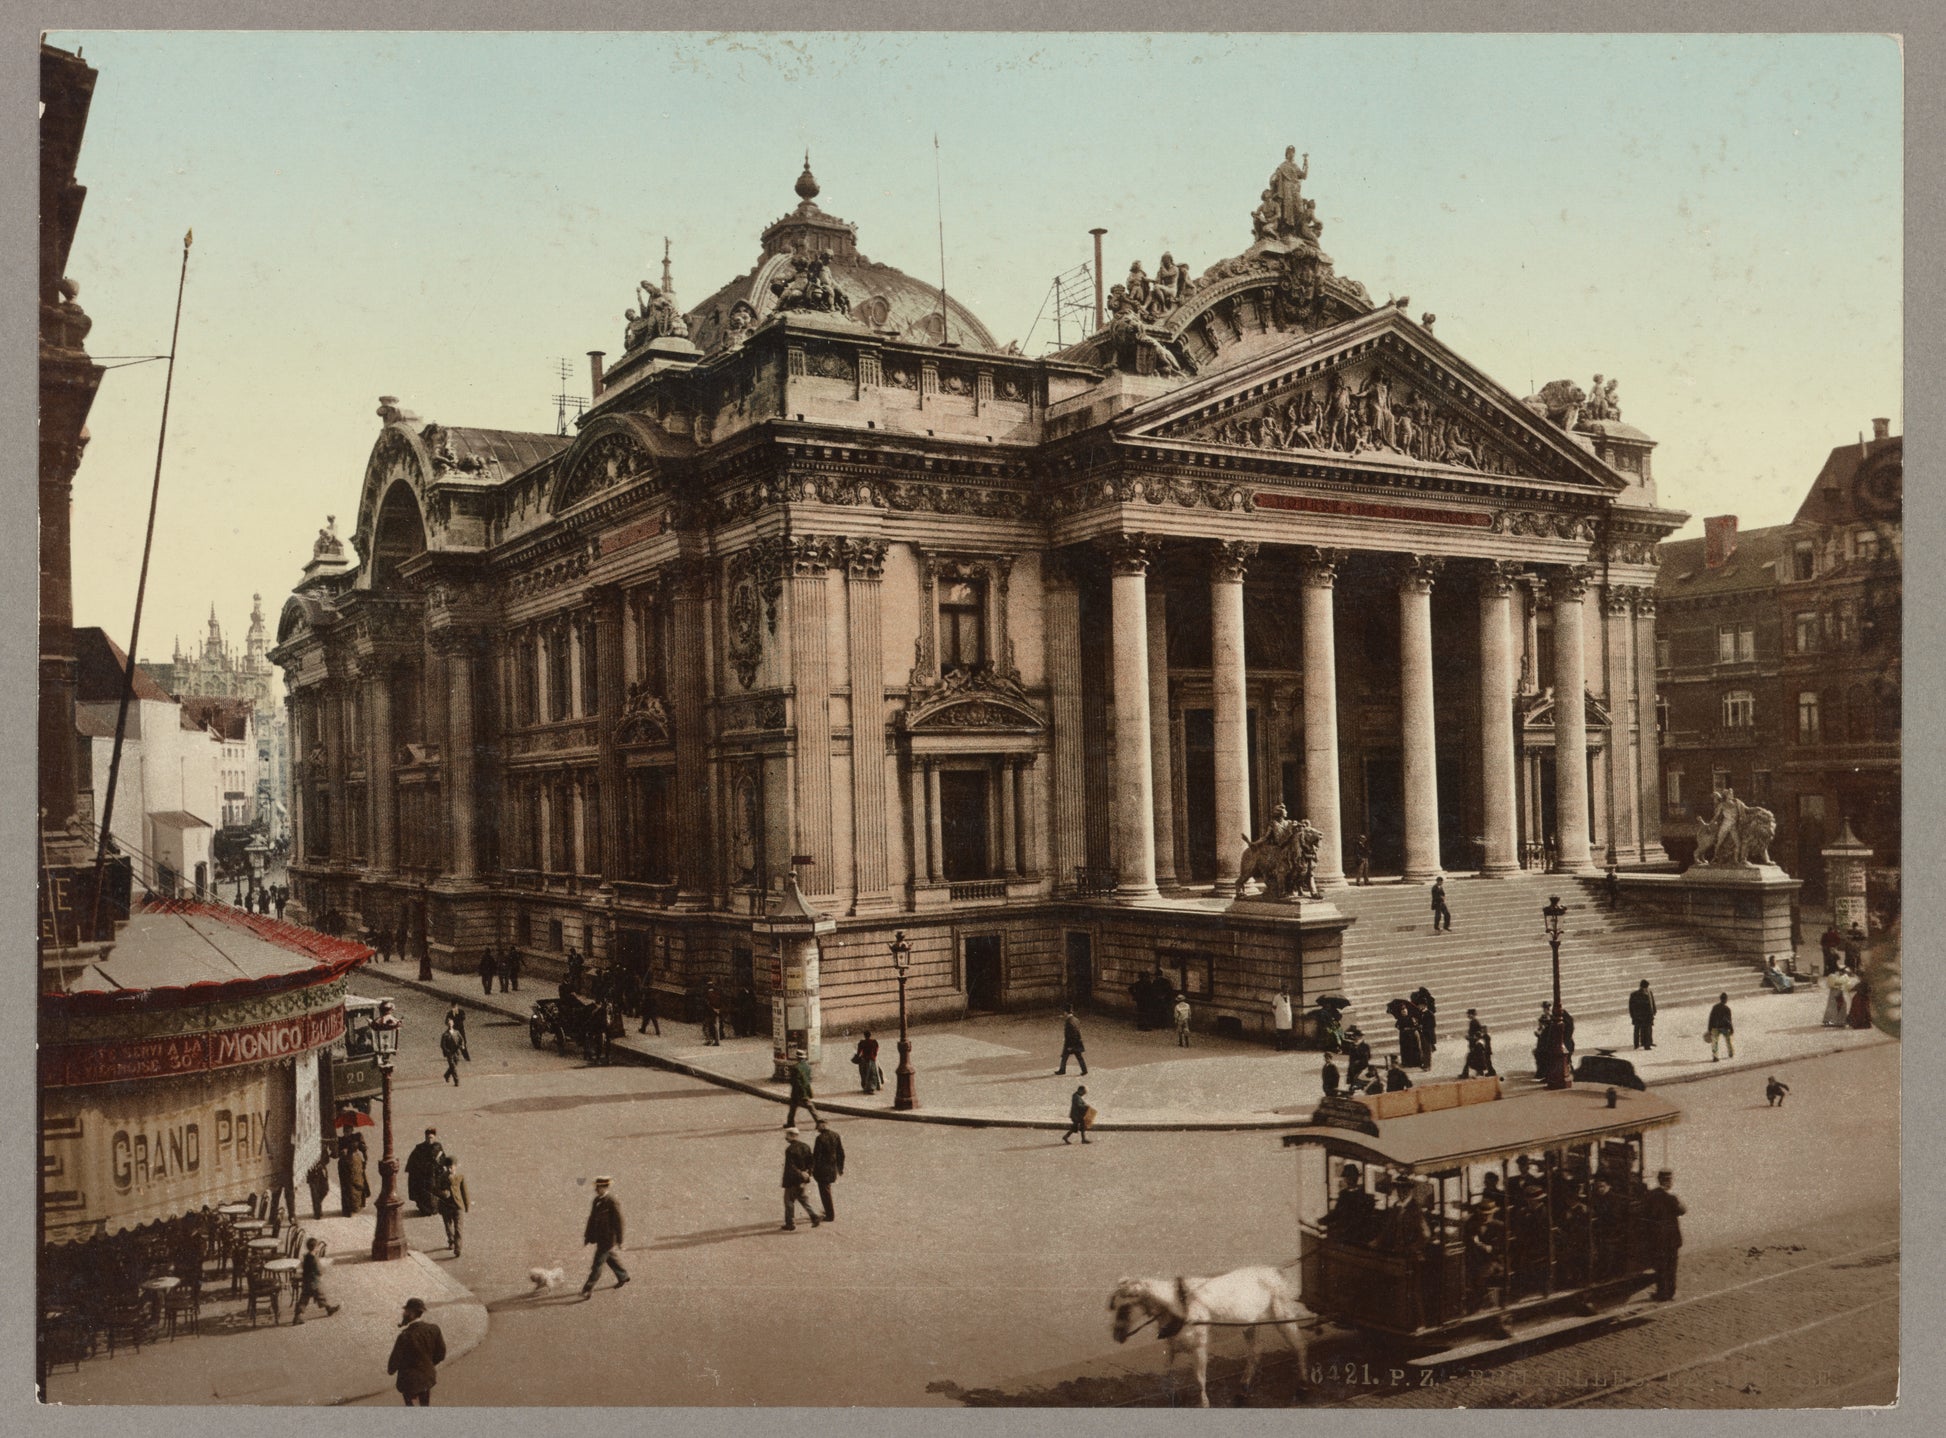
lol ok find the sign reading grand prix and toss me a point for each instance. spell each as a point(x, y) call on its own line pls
point(114, 1061)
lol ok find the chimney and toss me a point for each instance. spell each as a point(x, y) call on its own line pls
point(595, 357)
point(1881, 429)
point(1719, 540)
point(1100, 317)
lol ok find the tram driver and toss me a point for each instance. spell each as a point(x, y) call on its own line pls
point(1354, 1213)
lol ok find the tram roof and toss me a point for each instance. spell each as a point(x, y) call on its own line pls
point(1523, 1123)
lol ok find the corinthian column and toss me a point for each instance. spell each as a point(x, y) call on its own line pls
point(458, 649)
point(378, 773)
point(1159, 755)
point(864, 584)
point(1068, 792)
point(809, 562)
point(1417, 723)
point(1497, 680)
point(1231, 701)
point(691, 581)
point(1319, 572)
point(1570, 724)
point(1129, 556)
point(1648, 749)
point(1619, 680)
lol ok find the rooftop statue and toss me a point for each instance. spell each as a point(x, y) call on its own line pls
point(1131, 340)
point(1285, 214)
point(809, 286)
point(328, 545)
point(658, 317)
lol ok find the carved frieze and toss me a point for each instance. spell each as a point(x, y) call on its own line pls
point(550, 574)
point(554, 739)
point(1540, 524)
point(976, 698)
point(610, 462)
point(759, 713)
point(644, 718)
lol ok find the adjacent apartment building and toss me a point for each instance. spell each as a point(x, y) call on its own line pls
point(1778, 659)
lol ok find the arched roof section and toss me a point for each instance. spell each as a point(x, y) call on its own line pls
point(300, 614)
point(616, 452)
point(398, 455)
point(398, 533)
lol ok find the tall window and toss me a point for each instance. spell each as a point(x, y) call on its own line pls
point(1804, 560)
point(1739, 709)
point(590, 669)
point(527, 679)
point(1864, 546)
point(558, 672)
point(1807, 627)
point(1848, 623)
point(1736, 643)
point(1661, 715)
point(1672, 784)
point(1810, 730)
point(1719, 779)
point(962, 624)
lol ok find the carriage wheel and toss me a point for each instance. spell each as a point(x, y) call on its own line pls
point(535, 1032)
point(560, 1040)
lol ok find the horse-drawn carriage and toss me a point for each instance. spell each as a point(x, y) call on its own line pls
point(571, 1020)
point(1454, 1221)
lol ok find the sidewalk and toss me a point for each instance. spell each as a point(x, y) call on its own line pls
point(325, 1361)
point(996, 1069)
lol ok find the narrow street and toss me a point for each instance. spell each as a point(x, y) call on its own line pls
point(932, 1288)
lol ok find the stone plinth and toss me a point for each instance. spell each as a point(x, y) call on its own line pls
point(1746, 908)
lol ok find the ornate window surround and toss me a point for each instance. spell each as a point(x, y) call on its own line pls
point(993, 572)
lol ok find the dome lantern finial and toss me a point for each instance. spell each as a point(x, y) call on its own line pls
point(807, 183)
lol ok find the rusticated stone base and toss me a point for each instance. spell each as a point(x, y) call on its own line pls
point(1747, 909)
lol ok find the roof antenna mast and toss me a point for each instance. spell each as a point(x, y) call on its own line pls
point(562, 399)
point(939, 198)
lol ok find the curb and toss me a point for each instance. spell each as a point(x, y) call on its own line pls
point(1239, 1124)
point(456, 1294)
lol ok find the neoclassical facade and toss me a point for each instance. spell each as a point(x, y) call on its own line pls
point(1006, 652)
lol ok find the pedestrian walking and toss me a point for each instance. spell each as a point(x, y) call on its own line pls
point(1662, 1212)
point(1363, 849)
point(1081, 1118)
point(712, 1014)
point(487, 969)
point(353, 1187)
point(449, 1198)
point(1479, 1048)
point(800, 1079)
point(1329, 1077)
point(1775, 1090)
point(310, 1284)
point(456, 1016)
point(510, 963)
point(1837, 1006)
point(827, 1166)
point(1181, 1015)
point(382, 941)
point(1442, 917)
point(1855, 947)
point(1281, 1020)
point(1428, 1008)
point(1358, 1057)
point(1861, 1004)
point(317, 1178)
point(449, 1047)
point(870, 1080)
point(1720, 1027)
point(281, 901)
point(798, 1162)
point(416, 1355)
point(420, 1166)
point(1071, 1044)
point(1612, 888)
point(1406, 1020)
point(1641, 1015)
point(1831, 945)
point(651, 1017)
point(1396, 1078)
point(604, 1231)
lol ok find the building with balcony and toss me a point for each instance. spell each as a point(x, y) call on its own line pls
point(1008, 653)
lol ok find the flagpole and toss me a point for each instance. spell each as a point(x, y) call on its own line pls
point(939, 199)
point(141, 590)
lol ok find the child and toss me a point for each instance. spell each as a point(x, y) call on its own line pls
point(1775, 1091)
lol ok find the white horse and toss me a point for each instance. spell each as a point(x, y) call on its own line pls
point(1184, 1309)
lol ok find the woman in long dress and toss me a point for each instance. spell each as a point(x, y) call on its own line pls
point(1861, 1005)
point(1835, 1007)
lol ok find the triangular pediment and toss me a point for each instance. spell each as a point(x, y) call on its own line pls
point(1378, 388)
point(1537, 711)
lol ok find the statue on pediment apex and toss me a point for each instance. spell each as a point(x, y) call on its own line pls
point(1130, 340)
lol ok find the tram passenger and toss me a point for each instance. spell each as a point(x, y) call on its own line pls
point(1527, 1219)
point(1486, 1269)
point(1610, 1212)
point(1355, 1212)
point(1573, 1219)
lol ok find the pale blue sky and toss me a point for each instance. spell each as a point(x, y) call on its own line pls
point(440, 217)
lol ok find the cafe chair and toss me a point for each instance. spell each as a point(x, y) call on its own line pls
point(183, 1308)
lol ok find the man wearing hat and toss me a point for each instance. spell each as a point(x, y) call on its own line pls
point(604, 1231)
point(827, 1165)
point(420, 1167)
point(1358, 1058)
point(416, 1355)
point(1354, 1211)
point(800, 1076)
point(1078, 1112)
point(798, 1163)
point(1479, 1047)
point(1641, 1015)
point(1662, 1212)
point(1071, 1045)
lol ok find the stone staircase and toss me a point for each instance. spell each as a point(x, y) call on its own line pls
point(1496, 957)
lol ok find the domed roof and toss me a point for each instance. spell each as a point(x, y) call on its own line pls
point(881, 298)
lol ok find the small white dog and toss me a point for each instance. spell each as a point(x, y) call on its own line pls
point(546, 1280)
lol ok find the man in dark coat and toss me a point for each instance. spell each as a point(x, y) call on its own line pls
point(1662, 1213)
point(449, 1197)
point(651, 1017)
point(416, 1355)
point(1358, 1057)
point(712, 1014)
point(487, 969)
point(449, 1047)
point(800, 1076)
point(1479, 1048)
point(1428, 1023)
point(827, 1164)
point(310, 1284)
point(1641, 1015)
point(1362, 852)
point(1831, 942)
point(420, 1166)
point(576, 966)
point(353, 1187)
point(1720, 1027)
point(1354, 1213)
point(798, 1163)
point(604, 1231)
point(1077, 1115)
point(1442, 917)
point(510, 969)
point(1071, 1045)
point(1329, 1077)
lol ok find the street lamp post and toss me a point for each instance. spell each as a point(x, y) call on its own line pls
point(1556, 1075)
point(388, 1233)
point(904, 1096)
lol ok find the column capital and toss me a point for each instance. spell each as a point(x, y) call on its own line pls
point(1617, 600)
point(691, 576)
point(809, 555)
point(456, 641)
point(1416, 572)
point(1568, 583)
point(1230, 560)
point(1130, 553)
point(1644, 602)
point(864, 558)
point(1498, 577)
point(1318, 568)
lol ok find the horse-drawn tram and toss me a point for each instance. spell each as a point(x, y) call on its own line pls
point(1454, 1221)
